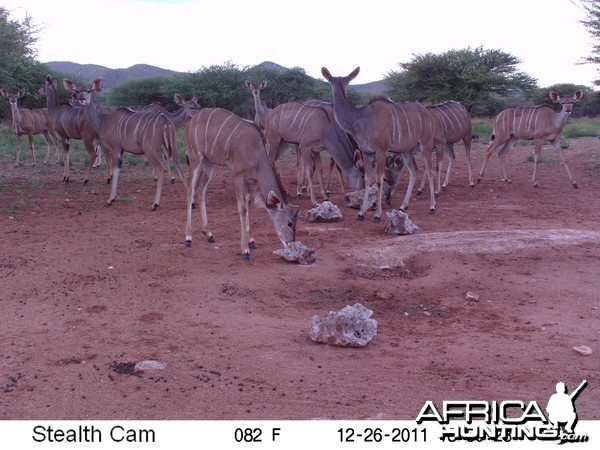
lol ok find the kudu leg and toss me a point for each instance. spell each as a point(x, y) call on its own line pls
point(469, 165)
point(89, 146)
point(380, 165)
point(369, 172)
point(243, 203)
point(489, 153)
point(409, 161)
point(558, 150)
point(202, 181)
point(502, 154)
point(449, 150)
point(194, 175)
point(66, 174)
point(32, 148)
point(48, 146)
point(19, 142)
point(116, 168)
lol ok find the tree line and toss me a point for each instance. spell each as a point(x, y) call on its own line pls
point(485, 81)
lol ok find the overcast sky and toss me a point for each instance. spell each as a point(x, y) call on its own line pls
point(186, 35)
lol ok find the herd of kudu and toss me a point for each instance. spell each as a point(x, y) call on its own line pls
point(368, 144)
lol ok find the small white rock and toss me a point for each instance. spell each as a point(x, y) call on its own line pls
point(472, 297)
point(150, 364)
point(583, 350)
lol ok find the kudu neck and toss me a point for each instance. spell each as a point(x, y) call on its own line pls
point(346, 113)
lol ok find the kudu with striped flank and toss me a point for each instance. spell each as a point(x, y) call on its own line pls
point(216, 136)
point(69, 123)
point(539, 123)
point(384, 126)
point(30, 122)
point(313, 129)
point(452, 123)
point(138, 132)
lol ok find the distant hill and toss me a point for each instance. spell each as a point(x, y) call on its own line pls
point(114, 77)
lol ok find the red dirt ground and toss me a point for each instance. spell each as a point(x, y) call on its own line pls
point(87, 289)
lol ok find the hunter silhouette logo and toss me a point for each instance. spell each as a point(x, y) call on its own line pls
point(510, 420)
point(561, 407)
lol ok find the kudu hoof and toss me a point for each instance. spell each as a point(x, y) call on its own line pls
point(432, 210)
point(211, 239)
point(575, 185)
point(246, 257)
point(376, 219)
point(188, 244)
point(85, 182)
point(194, 205)
point(537, 186)
point(172, 180)
point(360, 217)
point(419, 192)
point(252, 245)
point(153, 207)
point(473, 185)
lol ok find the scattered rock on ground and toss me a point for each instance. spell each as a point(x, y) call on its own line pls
point(398, 223)
point(324, 212)
point(352, 326)
point(150, 364)
point(298, 252)
point(583, 350)
point(355, 199)
point(472, 297)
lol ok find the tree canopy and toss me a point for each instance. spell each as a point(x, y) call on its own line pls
point(470, 76)
point(18, 67)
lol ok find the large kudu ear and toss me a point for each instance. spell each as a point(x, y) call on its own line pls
point(69, 85)
point(554, 96)
point(578, 95)
point(4, 92)
point(178, 99)
point(353, 74)
point(273, 201)
point(249, 84)
point(97, 85)
point(326, 74)
point(20, 93)
point(262, 85)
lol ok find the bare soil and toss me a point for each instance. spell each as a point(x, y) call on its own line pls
point(88, 290)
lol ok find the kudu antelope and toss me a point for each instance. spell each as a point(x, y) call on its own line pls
point(69, 123)
point(540, 123)
point(218, 137)
point(30, 122)
point(138, 132)
point(384, 126)
point(313, 130)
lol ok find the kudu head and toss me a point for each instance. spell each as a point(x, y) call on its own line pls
point(191, 106)
point(255, 90)
point(82, 97)
point(12, 98)
point(340, 82)
point(566, 103)
point(284, 218)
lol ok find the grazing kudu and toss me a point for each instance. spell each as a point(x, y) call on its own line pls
point(452, 123)
point(384, 126)
point(313, 129)
point(187, 110)
point(30, 122)
point(69, 123)
point(138, 132)
point(540, 123)
point(216, 136)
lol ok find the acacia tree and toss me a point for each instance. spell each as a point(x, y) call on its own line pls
point(470, 76)
point(18, 68)
point(592, 23)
